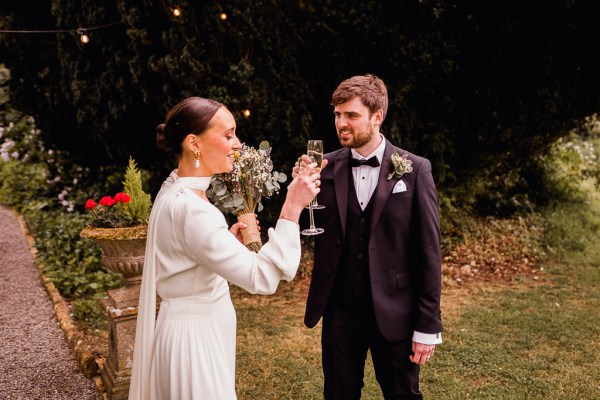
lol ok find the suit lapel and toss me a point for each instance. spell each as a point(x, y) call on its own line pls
point(341, 170)
point(384, 186)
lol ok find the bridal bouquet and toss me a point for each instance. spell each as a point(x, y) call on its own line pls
point(240, 192)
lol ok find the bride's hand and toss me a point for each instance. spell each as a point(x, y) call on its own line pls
point(303, 163)
point(303, 189)
point(236, 229)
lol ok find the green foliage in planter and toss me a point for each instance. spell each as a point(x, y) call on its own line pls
point(128, 208)
point(138, 209)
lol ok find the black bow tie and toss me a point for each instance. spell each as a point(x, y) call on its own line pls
point(371, 162)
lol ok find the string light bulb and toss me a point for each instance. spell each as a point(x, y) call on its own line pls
point(223, 16)
point(83, 36)
point(176, 12)
point(246, 113)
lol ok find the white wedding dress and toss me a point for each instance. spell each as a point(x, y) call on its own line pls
point(189, 352)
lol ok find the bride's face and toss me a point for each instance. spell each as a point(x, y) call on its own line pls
point(219, 143)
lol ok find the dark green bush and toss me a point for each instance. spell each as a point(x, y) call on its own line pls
point(22, 183)
point(567, 172)
point(72, 263)
point(491, 190)
point(89, 312)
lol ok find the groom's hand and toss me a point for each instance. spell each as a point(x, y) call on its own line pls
point(421, 352)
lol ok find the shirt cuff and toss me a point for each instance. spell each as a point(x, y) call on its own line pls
point(427, 338)
point(286, 224)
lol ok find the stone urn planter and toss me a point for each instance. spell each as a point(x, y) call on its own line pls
point(123, 252)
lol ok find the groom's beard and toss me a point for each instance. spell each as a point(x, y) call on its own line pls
point(356, 139)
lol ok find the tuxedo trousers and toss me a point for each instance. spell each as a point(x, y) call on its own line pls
point(348, 334)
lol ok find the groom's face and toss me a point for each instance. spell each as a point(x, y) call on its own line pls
point(354, 124)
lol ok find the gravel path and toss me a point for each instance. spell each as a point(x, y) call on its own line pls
point(35, 362)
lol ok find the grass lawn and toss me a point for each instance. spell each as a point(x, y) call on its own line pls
point(523, 339)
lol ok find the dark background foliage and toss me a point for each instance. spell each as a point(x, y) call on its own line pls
point(478, 87)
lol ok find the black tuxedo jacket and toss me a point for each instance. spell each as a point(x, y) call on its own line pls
point(404, 246)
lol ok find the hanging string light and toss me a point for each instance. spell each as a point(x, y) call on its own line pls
point(246, 113)
point(82, 32)
point(83, 36)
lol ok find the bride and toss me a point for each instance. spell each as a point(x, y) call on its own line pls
point(188, 352)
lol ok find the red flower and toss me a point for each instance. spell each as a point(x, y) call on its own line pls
point(122, 197)
point(90, 204)
point(107, 201)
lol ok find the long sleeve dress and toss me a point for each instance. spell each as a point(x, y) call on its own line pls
point(189, 353)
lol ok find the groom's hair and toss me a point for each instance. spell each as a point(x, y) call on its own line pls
point(368, 88)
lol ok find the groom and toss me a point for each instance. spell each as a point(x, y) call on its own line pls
point(376, 279)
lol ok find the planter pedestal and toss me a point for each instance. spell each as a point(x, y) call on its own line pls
point(122, 252)
point(122, 318)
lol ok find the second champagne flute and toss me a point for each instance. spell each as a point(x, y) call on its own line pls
point(312, 229)
point(315, 152)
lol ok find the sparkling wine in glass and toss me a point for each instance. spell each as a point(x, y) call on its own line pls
point(312, 230)
point(315, 152)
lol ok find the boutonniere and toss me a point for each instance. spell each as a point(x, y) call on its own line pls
point(402, 165)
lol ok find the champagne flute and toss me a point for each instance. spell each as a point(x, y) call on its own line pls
point(315, 152)
point(312, 230)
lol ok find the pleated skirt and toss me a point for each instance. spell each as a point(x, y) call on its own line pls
point(194, 350)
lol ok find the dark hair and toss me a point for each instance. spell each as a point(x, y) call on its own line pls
point(192, 115)
point(368, 88)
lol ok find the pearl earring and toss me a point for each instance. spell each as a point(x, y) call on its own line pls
point(197, 160)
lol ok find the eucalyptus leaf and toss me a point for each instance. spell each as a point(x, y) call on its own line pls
point(264, 145)
point(238, 201)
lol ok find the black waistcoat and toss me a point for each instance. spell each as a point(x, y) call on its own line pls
point(352, 283)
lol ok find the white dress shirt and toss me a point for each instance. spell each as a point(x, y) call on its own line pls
point(365, 177)
point(365, 182)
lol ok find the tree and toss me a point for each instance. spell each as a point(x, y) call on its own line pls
point(474, 86)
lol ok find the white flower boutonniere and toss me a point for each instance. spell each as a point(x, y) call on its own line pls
point(402, 165)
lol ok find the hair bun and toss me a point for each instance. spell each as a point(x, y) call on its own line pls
point(161, 140)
